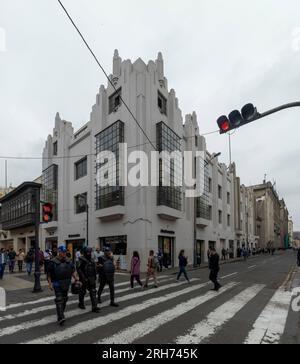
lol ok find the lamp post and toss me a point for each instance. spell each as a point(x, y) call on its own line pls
point(37, 272)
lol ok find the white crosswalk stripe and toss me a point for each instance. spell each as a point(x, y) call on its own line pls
point(90, 325)
point(219, 317)
point(146, 327)
point(47, 299)
point(156, 308)
point(70, 302)
point(270, 325)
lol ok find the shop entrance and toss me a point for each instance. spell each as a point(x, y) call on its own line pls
point(74, 245)
point(167, 246)
point(200, 252)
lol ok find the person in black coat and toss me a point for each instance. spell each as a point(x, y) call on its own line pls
point(214, 267)
point(106, 268)
point(298, 257)
point(87, 271)
point(59, 275)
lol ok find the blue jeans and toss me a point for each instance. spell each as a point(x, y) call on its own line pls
point(182, 271)
point(2, 269)
point(29, 267)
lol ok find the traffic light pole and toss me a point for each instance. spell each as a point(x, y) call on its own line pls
point(37, 273)
point(277, 109)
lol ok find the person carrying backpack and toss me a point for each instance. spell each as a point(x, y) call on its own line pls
point(151, 272)
point(182, 266)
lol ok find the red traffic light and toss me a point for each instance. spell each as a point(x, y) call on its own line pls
point(47, 212)
point(224, 124)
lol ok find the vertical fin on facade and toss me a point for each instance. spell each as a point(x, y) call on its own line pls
point(117, 62)
point(160, 67)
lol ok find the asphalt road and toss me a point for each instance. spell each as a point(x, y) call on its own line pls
point(254, 306)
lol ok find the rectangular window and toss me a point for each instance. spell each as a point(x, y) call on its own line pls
point(80, 203)
point(204, 209)
point(81, 168)
point(220, 217)
point(228, 220)
point(228, 198)
point(55, 148)
point(109, 140)
point(168, 141)
point(220, 192)
point(162, 103)
point(115, 101)
point(209, 185)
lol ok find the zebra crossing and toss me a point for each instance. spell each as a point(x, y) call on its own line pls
point(184, 313)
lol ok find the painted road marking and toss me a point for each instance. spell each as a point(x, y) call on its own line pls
point(96, 323)
point(144, 328)
point(216, 319)
point(270, 325)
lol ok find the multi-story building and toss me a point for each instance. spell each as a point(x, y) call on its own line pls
point(291, 232)
point(268, 219)
point(18, 217)
point(284, 224)
point(132, 218)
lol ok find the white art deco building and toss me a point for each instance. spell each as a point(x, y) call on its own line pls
point(134, 218)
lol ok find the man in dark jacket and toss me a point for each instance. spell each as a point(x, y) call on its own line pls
point(87, 271)
point(214, 268)
point(60, 273)
point(298, 257)
point(106, 275)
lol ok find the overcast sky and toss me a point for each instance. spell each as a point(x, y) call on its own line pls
point(218, 56)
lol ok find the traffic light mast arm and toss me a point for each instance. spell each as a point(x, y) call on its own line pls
point(277, 109)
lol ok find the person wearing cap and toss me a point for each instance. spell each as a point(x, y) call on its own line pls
point(60, 273)
point(87, 271)
point(106, 270)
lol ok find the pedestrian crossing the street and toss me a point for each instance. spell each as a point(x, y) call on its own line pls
point(174, 313)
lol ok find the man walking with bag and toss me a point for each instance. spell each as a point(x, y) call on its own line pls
point(214, 268)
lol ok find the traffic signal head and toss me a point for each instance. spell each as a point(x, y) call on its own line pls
point(249, 112)
point(236, 118)
point(47, 212)
point(224, 124)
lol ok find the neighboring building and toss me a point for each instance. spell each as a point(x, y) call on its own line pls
point(284, 225)
point(130, 218)
point(268, 218)
point(291, 232)
point(17, 218)
point(215, 209)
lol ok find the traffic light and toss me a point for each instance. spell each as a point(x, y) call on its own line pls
point(236, 118)
point(47, 212)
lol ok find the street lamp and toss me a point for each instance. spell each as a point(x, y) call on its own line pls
point(84, 197)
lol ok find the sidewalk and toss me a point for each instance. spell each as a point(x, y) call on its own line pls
point(18, 281)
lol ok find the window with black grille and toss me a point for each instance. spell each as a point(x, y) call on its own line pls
point(169, 141)
point(115, 101)
point(80, 203)
point(81, 168)
point(162, 103)
point(108, 140)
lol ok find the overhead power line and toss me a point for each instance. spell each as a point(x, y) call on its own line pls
point(105, 73)
point(88, 154)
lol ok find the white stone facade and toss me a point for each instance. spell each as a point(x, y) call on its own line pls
point(140, 220)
